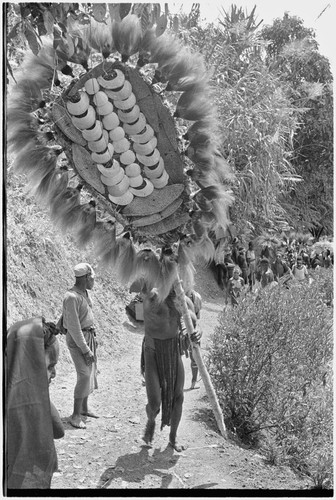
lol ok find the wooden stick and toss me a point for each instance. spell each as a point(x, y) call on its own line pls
point(198, 358)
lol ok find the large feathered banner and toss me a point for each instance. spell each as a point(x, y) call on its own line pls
point(105, 150)
point(112, 128)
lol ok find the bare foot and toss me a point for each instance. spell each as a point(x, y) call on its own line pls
point(89, 413)
point(77, 422)
point(178, 446)
point(149, 433)
point(194, 386)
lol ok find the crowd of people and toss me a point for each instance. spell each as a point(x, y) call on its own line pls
point(32, 351)
point(241, 269)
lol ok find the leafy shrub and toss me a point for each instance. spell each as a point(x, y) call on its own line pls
point(270, 359)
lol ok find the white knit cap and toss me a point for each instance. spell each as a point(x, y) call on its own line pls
point(82, 269)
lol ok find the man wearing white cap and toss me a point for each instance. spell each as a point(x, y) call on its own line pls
point(80, 338)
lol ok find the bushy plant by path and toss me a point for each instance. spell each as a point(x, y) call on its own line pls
point(270, 359)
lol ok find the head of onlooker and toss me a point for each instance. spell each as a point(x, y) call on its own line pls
point(228, 253)
point(278, 256)
point(84, 275)
point(236, 273)
point(264, 264)
point(299, 262)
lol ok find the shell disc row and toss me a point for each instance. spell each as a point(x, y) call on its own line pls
point(121, 142)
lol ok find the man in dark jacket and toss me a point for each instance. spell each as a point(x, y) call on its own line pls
point(279, 267)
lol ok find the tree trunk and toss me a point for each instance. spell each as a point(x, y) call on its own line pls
point(198, 358)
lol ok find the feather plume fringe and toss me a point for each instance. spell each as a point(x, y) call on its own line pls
point(192, 82)
point(202, 158)
point(193, 105)
point(186, 274)
point(147, 42)
point(221, 204)
point(36, 162)
point(222, 170)
point(126, 259)
point(186, 268)
point(21, 130)
point(51, 185)
point(96, 34)
point(87, 219)
point(203, 248)
point(64, 203)
point(42, 190)
point(217, 200)
point(163, 49)
point(185, 64)
point(54, 183)
point(37, 69)
point(147, 267)
point(201, 127)
point(106, 243)
point(127, 36)
point(70, 218)
point(169, 270)
point(26, 95)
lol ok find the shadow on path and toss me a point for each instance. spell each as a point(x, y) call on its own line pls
point(134, 467)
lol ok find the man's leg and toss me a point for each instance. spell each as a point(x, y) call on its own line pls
point(153, 394)
point(82, 387)
point(177, 407)
point(250, 279)
point(194, 369)
point(76, 419)
point(85, 409)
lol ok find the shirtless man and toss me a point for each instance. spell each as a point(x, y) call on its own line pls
point(197, 304)
point(236, 285)
point(164, 371)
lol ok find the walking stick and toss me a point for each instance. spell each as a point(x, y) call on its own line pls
point(198, 358)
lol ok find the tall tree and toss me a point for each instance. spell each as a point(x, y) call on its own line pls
point(292, 51)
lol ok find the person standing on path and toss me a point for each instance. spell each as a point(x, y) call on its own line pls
point(299, 270)
point(236, 285)
point(81, 341)
point(251, 262)
point(279, 267)
point(164, 371)
point(219, 263)
point(197, 302)
point(265, 275)
point(242, 263)
point(32, 422)
point(235, 251)
point(228, 267)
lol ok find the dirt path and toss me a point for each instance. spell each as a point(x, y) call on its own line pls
point(109, 453)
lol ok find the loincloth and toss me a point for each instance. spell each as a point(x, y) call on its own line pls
point(167, 355)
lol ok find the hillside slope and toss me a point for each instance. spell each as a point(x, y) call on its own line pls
point(109, 453)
